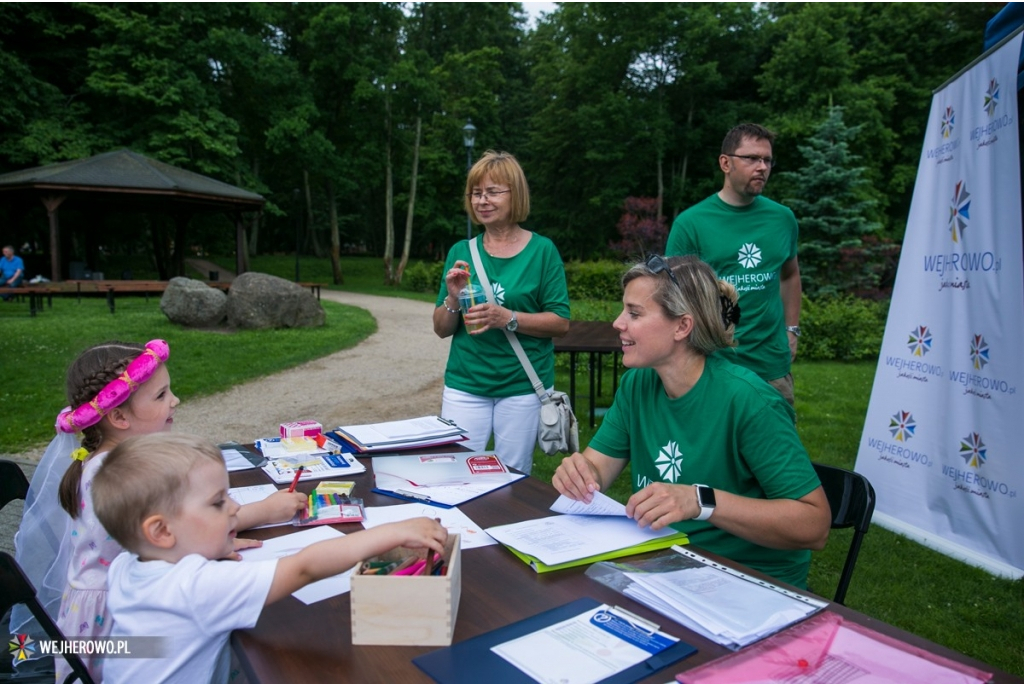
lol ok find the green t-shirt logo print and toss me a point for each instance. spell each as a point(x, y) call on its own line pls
point(750, 255)
point(670, 462)
point(499, 293)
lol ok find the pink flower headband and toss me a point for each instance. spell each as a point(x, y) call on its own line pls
point(116, 391)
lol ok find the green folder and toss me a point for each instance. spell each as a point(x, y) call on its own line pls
point(649, 546)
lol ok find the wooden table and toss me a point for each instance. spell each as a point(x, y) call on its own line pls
point(295, 643)
point(597, 338)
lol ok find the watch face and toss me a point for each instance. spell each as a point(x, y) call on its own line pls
point(706, 496)
point(512, 325)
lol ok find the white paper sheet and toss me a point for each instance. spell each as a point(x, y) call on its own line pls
point(601, 505)
point(587, 648)
point(290, 544)
point(234, 460)
point(560, 539)
point(453, 519)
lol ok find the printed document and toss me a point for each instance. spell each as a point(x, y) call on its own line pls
point(585, 649)
point(560, 539)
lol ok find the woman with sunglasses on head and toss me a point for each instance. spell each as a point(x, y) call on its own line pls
point(713, 448)
point(486, 388)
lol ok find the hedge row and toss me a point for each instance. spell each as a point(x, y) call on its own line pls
point(842, 328)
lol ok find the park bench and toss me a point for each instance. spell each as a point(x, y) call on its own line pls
point(110, 288)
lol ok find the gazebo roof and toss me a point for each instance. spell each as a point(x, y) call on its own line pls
point(126, 176)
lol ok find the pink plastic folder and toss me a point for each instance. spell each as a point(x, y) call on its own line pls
point(825, 649)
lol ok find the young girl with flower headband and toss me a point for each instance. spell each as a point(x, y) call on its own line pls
point(117, 390)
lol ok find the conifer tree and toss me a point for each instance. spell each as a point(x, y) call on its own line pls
point(839, 250)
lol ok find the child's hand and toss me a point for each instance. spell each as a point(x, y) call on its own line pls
point(422, 532)
point(240, 544)
point(277, 508)
point(283, 505)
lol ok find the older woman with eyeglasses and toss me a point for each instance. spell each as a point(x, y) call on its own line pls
point(713, 449)
point(486, 388)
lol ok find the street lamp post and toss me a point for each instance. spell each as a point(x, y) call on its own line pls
point(297, 208)
point(468, 139)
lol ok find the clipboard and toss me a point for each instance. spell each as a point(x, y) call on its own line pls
point(472, 660)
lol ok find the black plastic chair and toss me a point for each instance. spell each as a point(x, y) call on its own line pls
point(15, 588)
point(852, 500)
point(13, 483)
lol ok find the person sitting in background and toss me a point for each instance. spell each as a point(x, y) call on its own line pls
point(713, 448)
point(12, 270)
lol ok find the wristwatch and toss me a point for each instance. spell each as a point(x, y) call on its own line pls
point(795, 330)
point(512, 324)
point(706, 500)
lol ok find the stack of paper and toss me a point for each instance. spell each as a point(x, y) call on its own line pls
point(558, 542)
point(720, 603)
point(443, 479)
point(425, 431)
point(314, 466)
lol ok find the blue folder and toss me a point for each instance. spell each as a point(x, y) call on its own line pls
point(472, 661)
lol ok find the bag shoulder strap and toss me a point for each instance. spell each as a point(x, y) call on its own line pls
point(513, 339)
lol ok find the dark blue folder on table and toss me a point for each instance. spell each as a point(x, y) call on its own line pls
point(472, 661)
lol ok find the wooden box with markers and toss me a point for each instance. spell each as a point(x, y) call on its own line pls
point(406, 597)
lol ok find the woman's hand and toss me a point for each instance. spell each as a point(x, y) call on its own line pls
point(577, 478)
point(456, 279)
point(487, 316)
point(660, 504)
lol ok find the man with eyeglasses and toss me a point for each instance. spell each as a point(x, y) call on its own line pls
point(751, 242)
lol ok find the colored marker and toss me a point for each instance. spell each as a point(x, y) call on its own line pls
point(295, 480)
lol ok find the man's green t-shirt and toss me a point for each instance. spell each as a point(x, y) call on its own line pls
point(531, 281)
point(731, 431)
point(747, 247)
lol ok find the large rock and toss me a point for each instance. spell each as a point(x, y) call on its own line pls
point(264, 301)
point(193, 303)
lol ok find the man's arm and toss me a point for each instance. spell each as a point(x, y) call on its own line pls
point(791, 294)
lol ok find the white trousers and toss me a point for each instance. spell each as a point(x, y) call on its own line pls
point(513, 420)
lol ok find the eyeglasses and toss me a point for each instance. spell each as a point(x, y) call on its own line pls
point(657, 264)
point(488, 194)
point(754, 159)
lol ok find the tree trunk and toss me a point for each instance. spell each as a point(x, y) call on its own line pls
point(686, 160)
point(254, 230)
point(332, 208)
point(311, 233)
point(661, 187)
point(389, 228)
point(412, 202)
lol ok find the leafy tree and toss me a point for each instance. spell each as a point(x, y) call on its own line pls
point(642, 227)
point(830, 205)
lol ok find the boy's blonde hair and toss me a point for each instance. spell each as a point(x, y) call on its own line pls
point(146, 475)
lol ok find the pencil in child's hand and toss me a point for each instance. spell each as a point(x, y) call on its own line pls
point(295, 480)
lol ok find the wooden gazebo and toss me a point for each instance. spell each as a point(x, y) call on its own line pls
point(123, 180)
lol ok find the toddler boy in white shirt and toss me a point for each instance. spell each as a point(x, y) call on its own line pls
point(164, 497)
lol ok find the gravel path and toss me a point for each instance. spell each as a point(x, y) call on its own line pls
point(396, 373)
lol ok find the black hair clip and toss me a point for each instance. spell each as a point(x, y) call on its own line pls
point(730, 311)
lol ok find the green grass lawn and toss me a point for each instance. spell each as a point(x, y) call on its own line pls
point(35, 353)
point(897, 580)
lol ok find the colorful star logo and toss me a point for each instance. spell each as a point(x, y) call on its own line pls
point(750, 255)
point(670, 462)
point(959, 211)
point(979, 352)
point(992, 97)
point(973, 450)
point(21, 647)
point(902, 426)
point(920, 342)
point(948, 122)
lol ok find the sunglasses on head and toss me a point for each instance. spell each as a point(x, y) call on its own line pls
point(657, 264)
